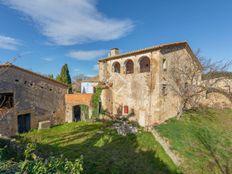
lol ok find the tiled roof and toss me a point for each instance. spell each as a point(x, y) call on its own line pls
point(156, 47)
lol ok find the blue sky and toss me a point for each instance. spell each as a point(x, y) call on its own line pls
point(43, 35)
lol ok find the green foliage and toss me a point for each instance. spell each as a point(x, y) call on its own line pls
point(9, 167)
point(7, 152)
point(33, 164)
point(53, 165)
point(203, 137)
point(2, 151)
point(64, 77)
point(85, 111)
point(95, 101)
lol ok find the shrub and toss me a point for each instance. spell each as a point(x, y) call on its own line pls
point(36, 165)
point(33, 164)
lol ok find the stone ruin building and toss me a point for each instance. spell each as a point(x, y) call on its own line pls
point(27, 99)
point(134, 84)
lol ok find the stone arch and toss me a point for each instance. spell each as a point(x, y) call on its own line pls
point(144, 64)
point(81, 103)
point(80, 112)
point(129, 66)
point(116, 67)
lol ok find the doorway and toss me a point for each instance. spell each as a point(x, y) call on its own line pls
point(24, 123)
point(77, 113)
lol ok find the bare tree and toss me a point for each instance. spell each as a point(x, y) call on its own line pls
point(190, 79)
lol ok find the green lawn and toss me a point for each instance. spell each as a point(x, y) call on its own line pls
point(204, 140)
point(104, 151)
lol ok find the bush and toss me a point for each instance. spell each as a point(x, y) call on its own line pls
point(33, 164)
point(7, 165)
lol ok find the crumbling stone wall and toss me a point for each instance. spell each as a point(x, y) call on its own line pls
point(219, 95)
point(40, 97)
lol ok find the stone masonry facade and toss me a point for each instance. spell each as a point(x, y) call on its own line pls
point(136, 84)
point(31, 94)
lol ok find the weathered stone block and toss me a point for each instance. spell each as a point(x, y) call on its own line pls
point(44, 124)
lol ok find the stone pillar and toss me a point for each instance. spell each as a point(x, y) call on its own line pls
point(69, 113)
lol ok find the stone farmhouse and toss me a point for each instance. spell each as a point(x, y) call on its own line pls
point(27, 99)
point(136, 83)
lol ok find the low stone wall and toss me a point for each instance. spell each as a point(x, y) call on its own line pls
point(219, 95)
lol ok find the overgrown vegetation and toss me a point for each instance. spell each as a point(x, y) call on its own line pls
point(84, 112)
point(203, 138)
point(31, 163)
point(103, 150)
point(95, 101)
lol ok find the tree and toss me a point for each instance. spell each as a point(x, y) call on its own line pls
point(64, 77)
point(185, 79)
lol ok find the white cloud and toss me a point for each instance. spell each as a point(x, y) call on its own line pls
point(91, 75)
point(69, 22)
point(48, 59)
point(8, 43)
point(76, 69)
point(95, 67)
point(87, 55)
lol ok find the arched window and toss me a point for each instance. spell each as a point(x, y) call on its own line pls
point(116, 67)
point(129, 65)
point(144, 63)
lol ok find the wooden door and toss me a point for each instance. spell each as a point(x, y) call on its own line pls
point(24, 123)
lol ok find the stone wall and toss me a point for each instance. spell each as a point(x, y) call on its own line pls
point(219, 95)
point(42, 98)
point(72, 100)
point(135, 90)
point(141, 92)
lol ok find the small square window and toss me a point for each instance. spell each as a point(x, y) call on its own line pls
point(6, 100)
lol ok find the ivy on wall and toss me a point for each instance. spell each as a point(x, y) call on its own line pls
point(95, 101)
point(84, 112)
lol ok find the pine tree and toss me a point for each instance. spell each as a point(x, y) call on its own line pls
point(64, 77)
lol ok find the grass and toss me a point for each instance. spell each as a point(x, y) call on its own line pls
point(203, 138)
point(104, 151)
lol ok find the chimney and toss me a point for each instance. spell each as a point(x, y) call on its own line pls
point(114, 52)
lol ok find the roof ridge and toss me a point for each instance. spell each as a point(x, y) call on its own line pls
point(143, 49)
point(31, 72)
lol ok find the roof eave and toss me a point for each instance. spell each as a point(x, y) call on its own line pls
point(36, 74)
point(141, 51)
